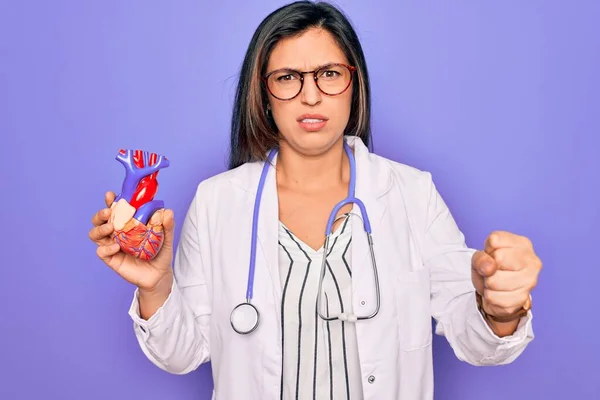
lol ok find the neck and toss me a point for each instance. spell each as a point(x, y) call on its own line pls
point(317, 173)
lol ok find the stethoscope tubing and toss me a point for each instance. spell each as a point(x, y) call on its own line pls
point(331, 220)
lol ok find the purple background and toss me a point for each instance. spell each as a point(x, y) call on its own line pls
point(499, 100)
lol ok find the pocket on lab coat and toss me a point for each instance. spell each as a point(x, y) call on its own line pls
point(414, 309)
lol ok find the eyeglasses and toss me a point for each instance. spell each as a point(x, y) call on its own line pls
point(331, 79)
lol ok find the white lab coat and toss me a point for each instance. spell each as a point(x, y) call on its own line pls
point(424, 271)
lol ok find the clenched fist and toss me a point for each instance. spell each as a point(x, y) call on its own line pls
point(505, 272)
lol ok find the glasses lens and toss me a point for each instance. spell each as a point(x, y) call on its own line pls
point(333, 79)
point(284, 84)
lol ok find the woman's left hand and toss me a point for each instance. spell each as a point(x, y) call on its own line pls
point(505, 272)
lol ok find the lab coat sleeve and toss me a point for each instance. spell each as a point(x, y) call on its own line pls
point(453, 302)
point(175, 338)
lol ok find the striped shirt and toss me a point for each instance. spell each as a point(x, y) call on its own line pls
point(320, 358)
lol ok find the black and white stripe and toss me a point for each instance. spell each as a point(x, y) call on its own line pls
point(320, 359)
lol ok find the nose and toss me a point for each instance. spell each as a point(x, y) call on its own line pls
point(310, 95)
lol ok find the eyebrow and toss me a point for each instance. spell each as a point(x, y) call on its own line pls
point(314, 69)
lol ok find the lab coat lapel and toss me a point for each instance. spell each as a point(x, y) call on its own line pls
point(372, 182)
point(268, 230)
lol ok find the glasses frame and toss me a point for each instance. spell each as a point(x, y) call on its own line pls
point(351, 68)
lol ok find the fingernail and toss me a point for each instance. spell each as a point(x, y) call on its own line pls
point(484, 267)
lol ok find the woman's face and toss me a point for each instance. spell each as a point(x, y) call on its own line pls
point(312, 50)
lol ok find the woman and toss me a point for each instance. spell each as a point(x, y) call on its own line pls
point(360, 331)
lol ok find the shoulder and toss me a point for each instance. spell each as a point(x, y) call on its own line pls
point(406, 177)
point(383, 171)
point(226, 183)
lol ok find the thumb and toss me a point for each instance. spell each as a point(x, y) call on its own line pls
point(482, 266)
point(477, 282)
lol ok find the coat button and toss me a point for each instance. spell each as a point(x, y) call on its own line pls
point(371, 379)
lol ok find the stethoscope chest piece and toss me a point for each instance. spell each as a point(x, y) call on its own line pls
point(244, 318)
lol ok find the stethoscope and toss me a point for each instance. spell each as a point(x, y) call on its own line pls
point(245, 316)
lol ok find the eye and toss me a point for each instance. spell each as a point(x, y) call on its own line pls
point(286, 76)
point(329, 74)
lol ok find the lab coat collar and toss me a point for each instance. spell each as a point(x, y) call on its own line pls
point(373, 181)
point(373, 177)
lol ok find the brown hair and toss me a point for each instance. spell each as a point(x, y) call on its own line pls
point(253, 132)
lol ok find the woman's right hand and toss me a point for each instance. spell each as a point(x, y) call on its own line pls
point(148, 276)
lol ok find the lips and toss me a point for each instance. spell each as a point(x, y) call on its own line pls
point(312, 122)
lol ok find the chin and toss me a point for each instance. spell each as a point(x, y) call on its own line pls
point(313, 143)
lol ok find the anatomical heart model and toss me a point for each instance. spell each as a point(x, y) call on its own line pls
point(135, 230)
